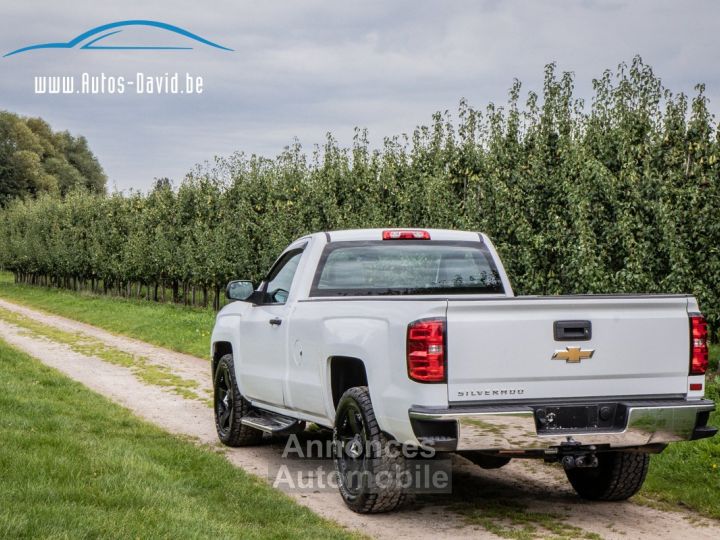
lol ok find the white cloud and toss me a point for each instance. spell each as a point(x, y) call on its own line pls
point(305, 68)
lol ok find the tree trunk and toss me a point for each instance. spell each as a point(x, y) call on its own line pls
point(216, 300)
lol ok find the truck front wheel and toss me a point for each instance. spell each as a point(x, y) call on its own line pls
point(230, 407)
point(618, 476)
point(369, 466)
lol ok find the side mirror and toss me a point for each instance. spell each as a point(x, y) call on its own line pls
point(239, 290)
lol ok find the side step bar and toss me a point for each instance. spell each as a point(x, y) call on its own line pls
point(269, 422)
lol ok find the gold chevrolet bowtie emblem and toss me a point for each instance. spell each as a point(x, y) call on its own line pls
point(573, 355)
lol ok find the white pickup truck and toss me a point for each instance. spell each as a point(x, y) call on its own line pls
point(414, 337)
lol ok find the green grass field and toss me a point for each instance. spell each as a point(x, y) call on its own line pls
point(175, 327)
point(75, 465)
point(686, 474)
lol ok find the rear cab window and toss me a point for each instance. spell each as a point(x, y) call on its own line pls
point(405, 267)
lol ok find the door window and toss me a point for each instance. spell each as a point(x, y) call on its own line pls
point(277, 287)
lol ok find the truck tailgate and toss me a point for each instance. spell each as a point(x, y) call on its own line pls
point(500, 350)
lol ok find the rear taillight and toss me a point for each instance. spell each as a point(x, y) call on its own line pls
point(698, 344)
point(426, 350)
point(406, 235)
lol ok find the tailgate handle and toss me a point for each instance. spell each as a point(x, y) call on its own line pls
point(573, 330)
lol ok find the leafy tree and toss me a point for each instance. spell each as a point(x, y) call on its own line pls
point(34, 160)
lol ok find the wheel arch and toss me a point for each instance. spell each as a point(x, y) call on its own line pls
point(220, 349)
point(345, 372)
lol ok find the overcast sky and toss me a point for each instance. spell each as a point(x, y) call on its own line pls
point(303, 68)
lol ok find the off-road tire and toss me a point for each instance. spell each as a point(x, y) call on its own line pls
point(618, 476)
point(230, 430)
point(367, 499)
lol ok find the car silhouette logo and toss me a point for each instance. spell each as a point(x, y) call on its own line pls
point(92, 39)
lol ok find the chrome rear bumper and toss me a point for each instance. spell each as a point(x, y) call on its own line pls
point(514, 427)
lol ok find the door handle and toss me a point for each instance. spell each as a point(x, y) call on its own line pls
point(275, 322)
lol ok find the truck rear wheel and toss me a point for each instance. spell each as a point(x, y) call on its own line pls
point(369, 466)
point(230, 407)
point(618, 476)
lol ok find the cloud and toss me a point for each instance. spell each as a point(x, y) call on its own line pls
point(301, 69)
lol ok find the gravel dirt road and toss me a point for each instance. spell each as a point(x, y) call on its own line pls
point(521, 495)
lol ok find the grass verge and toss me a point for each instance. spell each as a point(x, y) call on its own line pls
point(75, 465)
point(174, 327)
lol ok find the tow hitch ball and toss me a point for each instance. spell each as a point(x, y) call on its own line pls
point(579, 462)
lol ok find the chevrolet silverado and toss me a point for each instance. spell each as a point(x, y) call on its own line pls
point(415, 337)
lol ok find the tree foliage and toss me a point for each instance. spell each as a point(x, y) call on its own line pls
point(618, 195)
point(34, 159)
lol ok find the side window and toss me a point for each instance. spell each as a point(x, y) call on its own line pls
point(281, 276)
